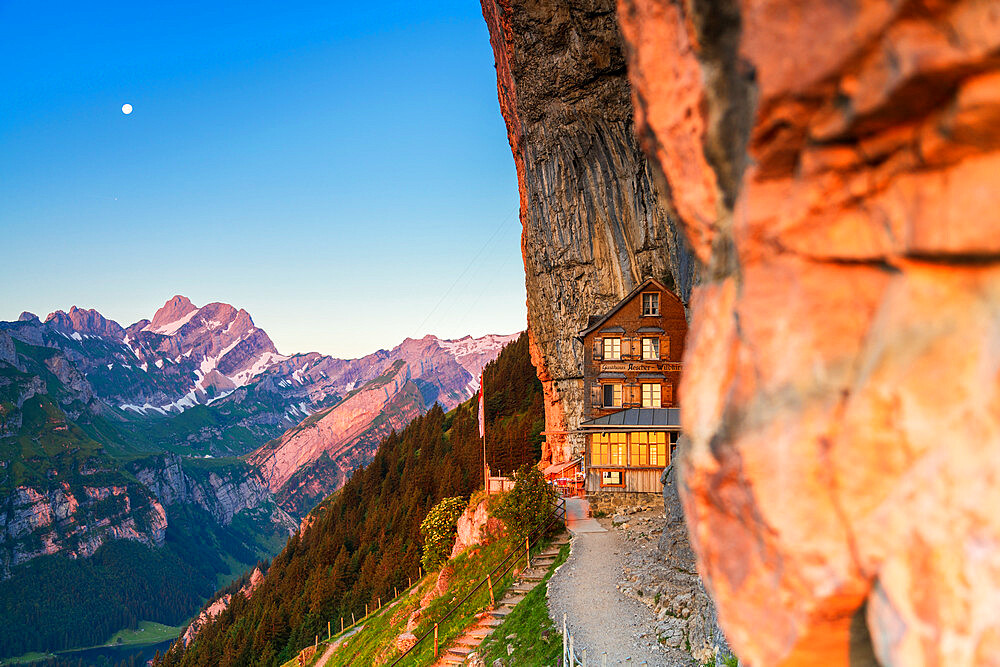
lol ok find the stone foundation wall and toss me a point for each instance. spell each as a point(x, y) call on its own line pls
point(611, 502)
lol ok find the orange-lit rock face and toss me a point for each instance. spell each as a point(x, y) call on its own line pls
point(837, 168)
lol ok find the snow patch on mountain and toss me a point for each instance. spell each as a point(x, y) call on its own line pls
point(170, 328)
point(263, 362)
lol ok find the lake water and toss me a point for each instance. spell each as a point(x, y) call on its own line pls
point(117, 653)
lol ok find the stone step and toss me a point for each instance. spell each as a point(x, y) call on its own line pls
point(532, 576)
point(481, 633)
point(453, 660)
point(491, 622)
point(502, 611)
point(460, 650)
point(469, 640)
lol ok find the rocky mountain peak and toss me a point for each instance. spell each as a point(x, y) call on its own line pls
point(174, 314)
point(84, 321)
point(28, 317)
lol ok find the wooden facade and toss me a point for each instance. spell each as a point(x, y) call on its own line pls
point(632, 366)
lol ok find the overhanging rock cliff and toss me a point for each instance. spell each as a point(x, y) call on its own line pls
point(593, 224)
point(836, 166)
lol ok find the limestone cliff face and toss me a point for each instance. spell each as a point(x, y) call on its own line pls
point(836, 167)
point(223, 493)
point(76, 521)
point(315, 458)
point(593, 224)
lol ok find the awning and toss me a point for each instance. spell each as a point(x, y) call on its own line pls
point(636, 419)
point(651, 376)
point(656, 330)
point(611, 376)
point(557, 468)
point(613, 330)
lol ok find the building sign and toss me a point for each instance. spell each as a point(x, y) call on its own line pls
point(633, 366)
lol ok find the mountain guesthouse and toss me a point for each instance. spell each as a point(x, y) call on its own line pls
point(632, 367)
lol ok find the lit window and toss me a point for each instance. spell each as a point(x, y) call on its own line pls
point(651, 304)
point(608, 449)
point(612, 395)
point(651, 395)
point(648, 449)
point(612, 478)
point(650, 348)
point(612, 348)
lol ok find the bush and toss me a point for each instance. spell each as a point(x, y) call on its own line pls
point(529, 503)
point(438, 530)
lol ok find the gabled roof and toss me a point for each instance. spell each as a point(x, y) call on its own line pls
point(595, 323)
point(636, 419)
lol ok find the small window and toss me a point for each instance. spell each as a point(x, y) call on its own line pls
point(650, 348)
point(613, 395)
point(651, 303)
point(651, 395)
point(613, 348)
point(612, 478)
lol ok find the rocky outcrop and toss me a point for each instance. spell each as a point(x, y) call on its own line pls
point(8, 354)
point(316, 457)
point(223, 493)
point(82, 321)
point(593, 224)
point(219, 605)
point(476, 527)
point(682, 591)
point(76, 521)
point(834, 165)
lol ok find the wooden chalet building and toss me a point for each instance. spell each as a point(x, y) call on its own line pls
point(632, 367)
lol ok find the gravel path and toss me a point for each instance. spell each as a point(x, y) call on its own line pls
point(333, 647)
point(600, 618)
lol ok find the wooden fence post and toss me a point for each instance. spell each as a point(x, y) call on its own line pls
point(366, 610)
point(353, 620)
point(489, 580)
point(316, 644)
point(328, 635)
point(435, 640)
point(380, 603)
point(395, 592)
point(341, 623)
point(527, 554)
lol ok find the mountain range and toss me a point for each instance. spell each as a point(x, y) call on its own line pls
point(189, 427)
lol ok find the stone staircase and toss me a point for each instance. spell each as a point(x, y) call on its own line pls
point(458, 652)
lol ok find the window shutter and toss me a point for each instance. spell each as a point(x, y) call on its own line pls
point(626, 347)
point(633, 395)
point(636, 347)
point(596, 397)
point(667, 395)
point(598, 349)
point(664, 347)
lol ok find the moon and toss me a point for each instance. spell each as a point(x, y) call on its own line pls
point(126, 108)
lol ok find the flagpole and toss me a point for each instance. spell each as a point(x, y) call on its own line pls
point(482, 432)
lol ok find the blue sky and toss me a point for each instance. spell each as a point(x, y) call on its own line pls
point(340, 170)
